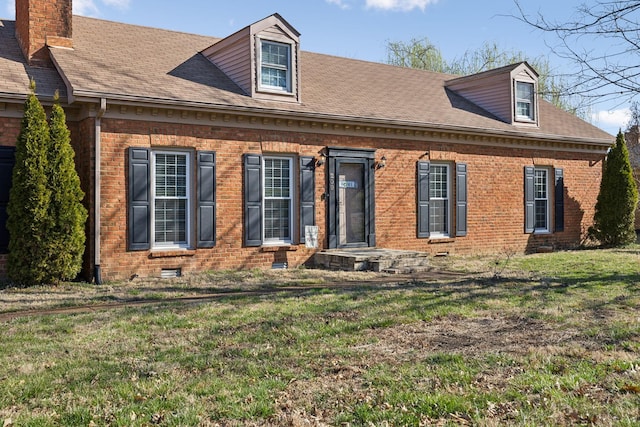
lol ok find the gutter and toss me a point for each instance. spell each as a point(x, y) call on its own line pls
point(97, 273)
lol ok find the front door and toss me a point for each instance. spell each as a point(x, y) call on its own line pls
point(351, 201)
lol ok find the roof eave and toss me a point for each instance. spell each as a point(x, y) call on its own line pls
point(93, 97)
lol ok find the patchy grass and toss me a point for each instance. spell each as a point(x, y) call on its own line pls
point(553, 339)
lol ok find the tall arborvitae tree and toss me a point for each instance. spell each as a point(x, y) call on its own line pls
point(67, 214)
point(29, 198)
point(613, 222)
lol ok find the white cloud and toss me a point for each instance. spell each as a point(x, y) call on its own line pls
point(612, 120)
point(402, 5)
point(340, 3)
point(85, 8)
point(92, 8)
point(120, 4)
point(80, 7)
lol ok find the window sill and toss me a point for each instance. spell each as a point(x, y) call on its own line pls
point(274, 91)
point(525, 122)
point(171, 253)
point(437, 240)
point(278, 248)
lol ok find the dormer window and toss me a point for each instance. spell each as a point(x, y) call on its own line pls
point(509, 93)
point(525, 96)
point(275, 66)
point(263, 59)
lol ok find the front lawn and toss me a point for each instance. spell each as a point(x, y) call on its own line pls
point(547, 339)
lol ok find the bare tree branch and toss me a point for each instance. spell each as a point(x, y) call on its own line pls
point(603, 42)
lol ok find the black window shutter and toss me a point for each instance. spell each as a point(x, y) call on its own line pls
point(307, 194)
point(206, 199)
point(139, 199)
point(252, 200)
point(559, 199)
point(7, 160)
point(461, 199)
point(529, 199)
point(423, 199)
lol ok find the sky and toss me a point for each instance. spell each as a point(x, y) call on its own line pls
point(361, 29)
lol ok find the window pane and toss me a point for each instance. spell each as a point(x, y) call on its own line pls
point(170, 205)
point(438, 216)
point(541, 191)
point(524, 109)
point(274, 77)
point(275, 54)
point(171, 172)
point(525, 91)
point(277, 193)
point(170, 221)
point(541, 184)
point(275, 65)
point(438, 182)
point(276, 219)
point(541, 214)
point(524, 99)
point(439, 199)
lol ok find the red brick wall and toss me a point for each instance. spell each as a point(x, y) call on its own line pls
point(82, 140)
point(495, 200)
point(229, 145)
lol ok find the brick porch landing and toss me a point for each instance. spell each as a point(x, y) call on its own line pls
point(373, 259)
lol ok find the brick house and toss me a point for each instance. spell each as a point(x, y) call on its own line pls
point(199, 153)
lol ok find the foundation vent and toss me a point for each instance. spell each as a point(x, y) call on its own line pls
point(279, 265)
point(168, 273)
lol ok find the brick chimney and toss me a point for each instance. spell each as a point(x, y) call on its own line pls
point(42, 23)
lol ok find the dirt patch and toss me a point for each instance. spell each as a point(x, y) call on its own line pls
point(514, 337)
point(472, 336)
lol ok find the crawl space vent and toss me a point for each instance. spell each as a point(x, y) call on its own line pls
point(168, 273)
point(279, 265)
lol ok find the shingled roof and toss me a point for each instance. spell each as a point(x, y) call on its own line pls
point(134, 63)
point(15, 73)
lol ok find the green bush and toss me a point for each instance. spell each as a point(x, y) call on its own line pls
point(28, 209)
point(613, 222)
point(67, 214)
point(45, 215)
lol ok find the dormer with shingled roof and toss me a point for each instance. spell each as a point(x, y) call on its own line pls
point(262, 59)
point(509, 93)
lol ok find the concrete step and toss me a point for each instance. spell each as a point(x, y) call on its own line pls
point(374, 259)
point(408, 269)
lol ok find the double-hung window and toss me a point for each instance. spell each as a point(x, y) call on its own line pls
point(544, 199)
point(170, 194)
point(525, 96)
point(171, 199)
point(442, 200)
point(269, 203)
point(275, 66)
point(278, 199)
point(439, 206)
point(541, 200)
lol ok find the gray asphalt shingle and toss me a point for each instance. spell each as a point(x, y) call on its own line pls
point(128, 61)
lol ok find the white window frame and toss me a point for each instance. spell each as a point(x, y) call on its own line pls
point(531, 101)
point(546, 228)
point(287, 240)
point(434, 234)
point(188, 205)
point(287, 68)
